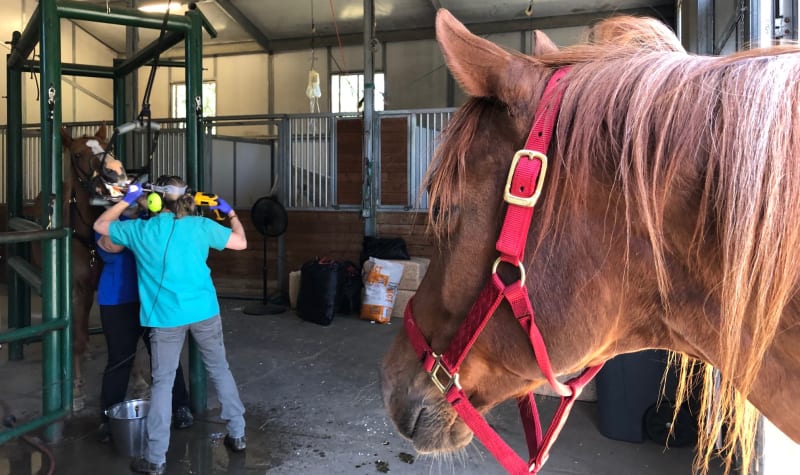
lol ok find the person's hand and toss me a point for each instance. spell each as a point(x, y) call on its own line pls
point(133, 194)
point(222, 206)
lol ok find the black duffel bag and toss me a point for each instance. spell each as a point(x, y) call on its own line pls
point(319, 287)
point(383, 248)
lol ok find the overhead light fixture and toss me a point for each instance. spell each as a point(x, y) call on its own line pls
point(529, 10)
point(162, 7)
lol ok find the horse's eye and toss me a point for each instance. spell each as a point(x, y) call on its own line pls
point(436, 213)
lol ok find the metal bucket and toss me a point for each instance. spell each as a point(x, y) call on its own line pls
point(128, 429)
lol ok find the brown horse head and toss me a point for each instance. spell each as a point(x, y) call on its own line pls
point(642, 238)
point(95, 168)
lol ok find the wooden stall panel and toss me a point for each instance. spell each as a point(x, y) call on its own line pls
point(394, 161)
point(348, 152)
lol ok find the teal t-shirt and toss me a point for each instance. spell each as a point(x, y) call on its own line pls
point(175, 286)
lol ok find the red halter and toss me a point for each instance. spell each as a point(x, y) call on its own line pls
point(523, 187)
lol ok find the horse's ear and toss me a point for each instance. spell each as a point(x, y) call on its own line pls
point(66, 137)
point(481, 67)
point(542, 44)
point(101, 133)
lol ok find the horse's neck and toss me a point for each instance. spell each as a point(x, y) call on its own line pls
point(79, 214)
point(778, 383)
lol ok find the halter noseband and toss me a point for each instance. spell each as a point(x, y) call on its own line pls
point(522, 190)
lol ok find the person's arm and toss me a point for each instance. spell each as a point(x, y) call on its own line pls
point(109, 216)
point(105, 244)
point(113, 213)
point(238, 240)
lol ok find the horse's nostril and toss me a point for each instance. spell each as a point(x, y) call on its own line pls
point(415, 426)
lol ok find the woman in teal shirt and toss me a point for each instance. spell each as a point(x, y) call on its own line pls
point(177, 295)
point(118, 298)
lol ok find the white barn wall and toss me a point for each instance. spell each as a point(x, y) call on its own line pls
point(415, 75)
point(93, 98)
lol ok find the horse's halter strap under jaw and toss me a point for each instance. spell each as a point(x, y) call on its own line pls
point(522, 190)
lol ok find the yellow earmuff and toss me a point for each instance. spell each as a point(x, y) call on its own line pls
point(154, 202)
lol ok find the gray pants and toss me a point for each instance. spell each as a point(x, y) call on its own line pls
point(167, 344)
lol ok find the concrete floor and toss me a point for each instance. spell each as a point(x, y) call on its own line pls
point(313, 407)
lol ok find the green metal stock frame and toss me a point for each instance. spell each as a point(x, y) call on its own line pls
point(53, 281)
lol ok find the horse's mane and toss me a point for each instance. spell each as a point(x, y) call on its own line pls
point(666, 128)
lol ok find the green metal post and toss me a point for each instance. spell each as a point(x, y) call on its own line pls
point(19, 295)
point(65, 335)
point(120, 146)
point(51, 190)
point(194, 154)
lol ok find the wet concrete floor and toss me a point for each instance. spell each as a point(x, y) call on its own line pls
point(313, 403)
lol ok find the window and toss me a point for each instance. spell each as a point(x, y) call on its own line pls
point(179, 100)
point(347, 92)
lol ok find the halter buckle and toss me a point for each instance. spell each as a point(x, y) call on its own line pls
point(444, 381)
point(525, 201)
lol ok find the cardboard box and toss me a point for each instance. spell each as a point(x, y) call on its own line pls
point(294, 288)
point(400, 301)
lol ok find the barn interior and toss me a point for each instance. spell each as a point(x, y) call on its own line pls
point(281, 136)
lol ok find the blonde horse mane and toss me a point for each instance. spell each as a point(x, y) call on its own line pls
point(670, 129)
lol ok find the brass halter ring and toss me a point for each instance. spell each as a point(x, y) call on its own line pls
point(519, 266)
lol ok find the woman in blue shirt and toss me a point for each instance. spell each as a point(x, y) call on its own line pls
point(178, 296)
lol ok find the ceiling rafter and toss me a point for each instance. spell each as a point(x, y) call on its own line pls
point(425, 33)
point(255, 32)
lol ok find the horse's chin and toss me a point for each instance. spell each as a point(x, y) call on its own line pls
point(433, 428)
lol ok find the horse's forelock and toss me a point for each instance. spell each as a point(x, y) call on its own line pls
point(444, 180)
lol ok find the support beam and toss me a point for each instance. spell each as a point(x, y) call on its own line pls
point(120, 16)
point(147, 53)
point(73, 69)
point(371, 172)
point(244, 21)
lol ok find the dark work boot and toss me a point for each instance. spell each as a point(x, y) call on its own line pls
point(182, 418)
point(236, 444)
point(141, 465)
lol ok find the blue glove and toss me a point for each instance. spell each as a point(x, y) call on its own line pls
point(222, 206)
point(133, 194)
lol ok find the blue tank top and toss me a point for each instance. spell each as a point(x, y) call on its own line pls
point(118, 283)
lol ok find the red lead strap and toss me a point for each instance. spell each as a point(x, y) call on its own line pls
point(523, 187)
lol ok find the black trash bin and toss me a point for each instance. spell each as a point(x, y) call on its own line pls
point(628, 389)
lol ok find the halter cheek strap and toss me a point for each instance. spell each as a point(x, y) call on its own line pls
point(523, 187)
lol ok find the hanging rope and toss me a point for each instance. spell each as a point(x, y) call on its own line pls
point(313, 90)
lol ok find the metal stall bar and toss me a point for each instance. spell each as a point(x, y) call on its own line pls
point(194, 164)
point(19, 297)
point(52, 261)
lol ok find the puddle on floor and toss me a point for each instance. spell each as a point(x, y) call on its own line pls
point(196, 450)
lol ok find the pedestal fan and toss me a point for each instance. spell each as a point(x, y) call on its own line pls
point(270, 219)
